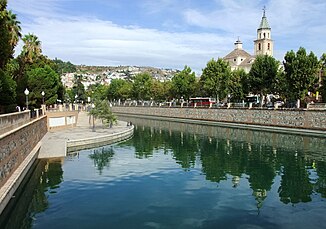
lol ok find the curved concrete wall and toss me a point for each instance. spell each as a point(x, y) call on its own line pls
point(80, 144)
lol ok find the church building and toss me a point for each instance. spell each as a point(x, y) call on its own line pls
point(263, 45)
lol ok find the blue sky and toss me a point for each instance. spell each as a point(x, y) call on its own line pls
point(167, 33)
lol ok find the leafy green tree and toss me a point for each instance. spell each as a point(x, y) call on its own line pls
point(183, 83)
point(79, 89)
point(43, 79)
point(236, 85)
point(215, 78)
point(7, 93)
point(323, 77)
point(69, 95)
point(119, 89)
point(64, 67)
point(126, 91)
point(159, 91)
point(141, 87)
point(97, 92)
point(8, 87)
point(263, 75)
point(300, 73)
point(102, 111)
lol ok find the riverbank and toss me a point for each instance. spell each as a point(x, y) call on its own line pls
point(312, 123)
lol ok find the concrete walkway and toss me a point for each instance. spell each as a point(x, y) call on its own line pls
point(54, 144)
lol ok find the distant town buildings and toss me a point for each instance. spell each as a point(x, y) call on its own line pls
point(263, 45)
point(104, 75)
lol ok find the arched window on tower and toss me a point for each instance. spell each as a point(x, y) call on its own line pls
point(269, 46)
point(259, 46)
point(264, 35)
point(268, 35)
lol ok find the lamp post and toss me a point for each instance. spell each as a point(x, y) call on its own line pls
point(43, 93)
point(93, 129)
point(26, 93)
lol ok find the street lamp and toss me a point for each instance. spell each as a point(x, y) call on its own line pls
point(93, 106)
point(26, 93)
point(43, 93)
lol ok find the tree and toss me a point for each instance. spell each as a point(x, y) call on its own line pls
point(97, 92)
point(63, 67)
point(323, 77)
point(160, 90)
point(126, 90)
point(31, 49)
point(263, 75)
point(215, 78)
point(141, 87)
point(7, 92)
point(43, 79)
point(14, 28)
point(102, 111)
point(6, 50)
point(79, 89)
point(300, 73)
point(183, 83)
point(236, 85)
point(119, 89)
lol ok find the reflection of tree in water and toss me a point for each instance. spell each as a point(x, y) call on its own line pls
point(32, 197)
point(184, 148)
point(214, 158)
point(261, 171)
point(102, 157)
point(320, 185)
point(223, 157)
point(295, 184)
point(145, 140)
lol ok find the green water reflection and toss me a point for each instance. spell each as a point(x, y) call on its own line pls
point(239, 179)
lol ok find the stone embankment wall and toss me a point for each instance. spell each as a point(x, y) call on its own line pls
point(302, 119)
point(11, 121)
point(17, 144)
point(313, 147)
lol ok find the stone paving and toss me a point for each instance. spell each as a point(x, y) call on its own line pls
point(54, 143)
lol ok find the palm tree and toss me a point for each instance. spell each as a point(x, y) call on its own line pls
point(14, 28)
point(31, 48)
point(3, 5)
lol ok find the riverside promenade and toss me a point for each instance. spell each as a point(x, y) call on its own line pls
point(57, 143)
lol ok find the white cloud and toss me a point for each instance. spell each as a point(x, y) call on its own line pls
point(91, 41)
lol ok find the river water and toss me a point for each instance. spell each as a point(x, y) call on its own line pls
point(174, 175)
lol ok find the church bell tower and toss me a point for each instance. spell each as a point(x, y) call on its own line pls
point(264, 44)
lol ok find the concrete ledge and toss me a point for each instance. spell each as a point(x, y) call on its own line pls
point(86, 143)
point(9, 188)
point(277, 129)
